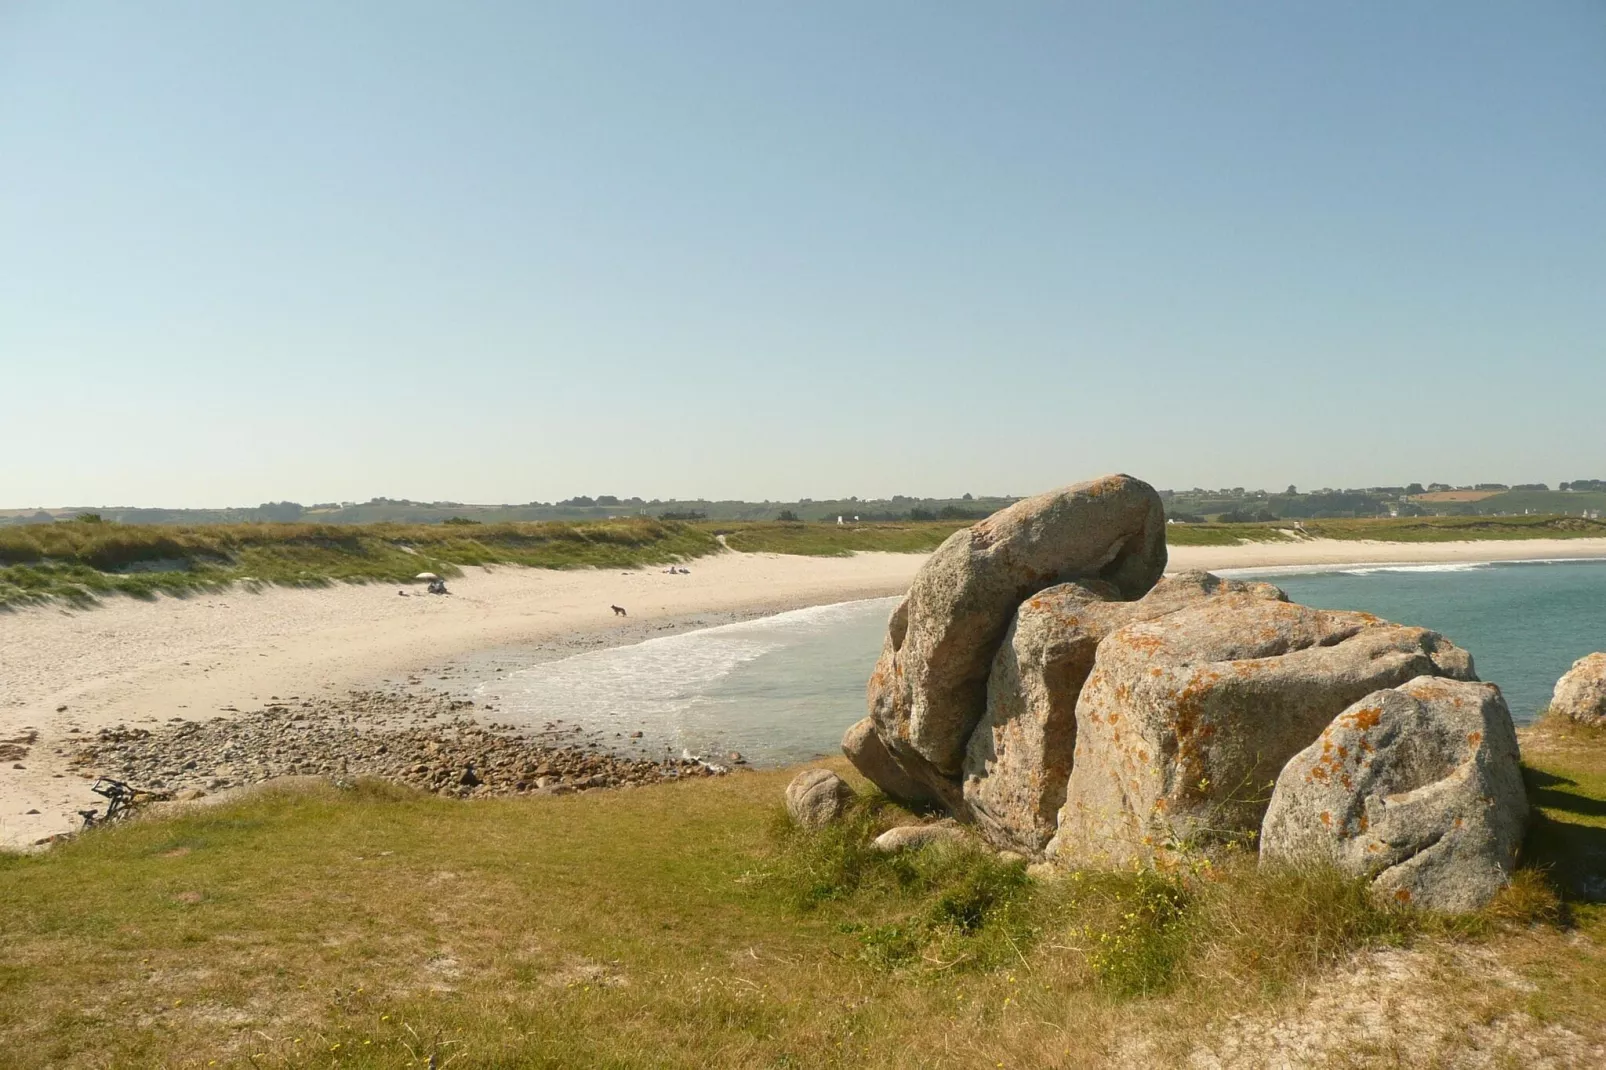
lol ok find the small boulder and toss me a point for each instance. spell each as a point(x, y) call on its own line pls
point(817, 797)
point(930, 687)
point(907, 836)
point(1186, 720)
point(1580, 695)
point(1417, 789)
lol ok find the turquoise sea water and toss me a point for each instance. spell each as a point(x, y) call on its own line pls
point(783, 688)
point(1525, 622)
point(779, 689)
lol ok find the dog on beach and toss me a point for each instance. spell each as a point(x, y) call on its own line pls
point(619, 611)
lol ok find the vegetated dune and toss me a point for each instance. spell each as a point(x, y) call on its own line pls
point(78, 561)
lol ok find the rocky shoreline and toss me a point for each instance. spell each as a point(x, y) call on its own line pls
point(427, 740)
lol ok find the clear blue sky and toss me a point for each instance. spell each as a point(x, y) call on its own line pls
point(517, 251)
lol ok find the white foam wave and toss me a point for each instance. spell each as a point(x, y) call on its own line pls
point(812, 618)
point(1367, 570)
point(652, 680)
point(1356, 568)
point(1360, 568)
point(654, 683)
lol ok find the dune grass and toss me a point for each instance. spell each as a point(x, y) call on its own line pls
point(688, 925)
point(832, 540)
point(79, 561)
point(1222, 534)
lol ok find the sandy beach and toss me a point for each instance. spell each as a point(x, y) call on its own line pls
point(1316, 552)
point(67, 672)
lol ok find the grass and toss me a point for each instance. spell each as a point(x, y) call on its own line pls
point(913, 537)
point(80, 561)
point(1221, 534)
point(1457, 528)
point(1394, 529)
point(684, 925)
point(832, 540)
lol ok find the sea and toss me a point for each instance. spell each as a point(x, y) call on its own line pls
point(783, 689)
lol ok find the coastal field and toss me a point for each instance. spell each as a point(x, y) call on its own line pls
point(82, 560)
point(686, 925)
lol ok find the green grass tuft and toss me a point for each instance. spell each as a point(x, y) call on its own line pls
point(82, 561)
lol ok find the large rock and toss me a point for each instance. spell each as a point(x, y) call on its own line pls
point(1187, 719)
point(871, 758)
point(1019, 757)
point(930, 687)
point(1581, 693)
point(817, 797)
point(1418, 789)
point(904, 775)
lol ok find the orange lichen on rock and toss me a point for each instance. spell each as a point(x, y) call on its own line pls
point(1143, 641)
point(1364, 718)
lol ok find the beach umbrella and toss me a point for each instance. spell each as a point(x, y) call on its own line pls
point(426, 576)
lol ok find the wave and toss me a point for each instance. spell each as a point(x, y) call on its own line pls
point(812, 618)
point(655, 682)
point(1366, 568)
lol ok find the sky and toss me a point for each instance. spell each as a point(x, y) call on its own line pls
point(508, 252)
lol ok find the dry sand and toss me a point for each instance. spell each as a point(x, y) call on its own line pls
point(1312, 552)
point(141, 662)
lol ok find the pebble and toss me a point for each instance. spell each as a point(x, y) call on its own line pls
point(427, 740)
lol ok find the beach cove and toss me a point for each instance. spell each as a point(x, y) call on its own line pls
point(68, 673)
